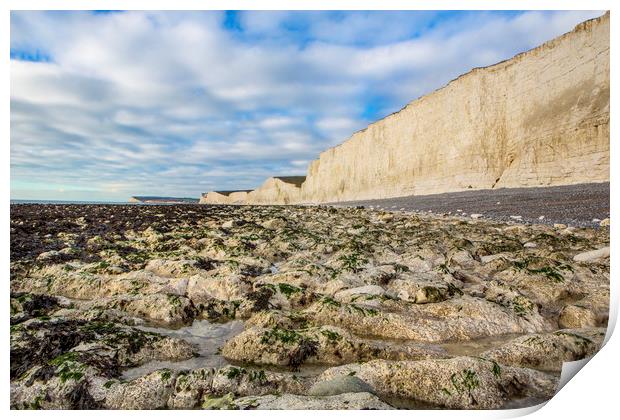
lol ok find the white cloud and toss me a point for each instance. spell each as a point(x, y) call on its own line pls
point(172, 103)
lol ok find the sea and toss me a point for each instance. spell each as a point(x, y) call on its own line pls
point(67, 202)
point(124, 203)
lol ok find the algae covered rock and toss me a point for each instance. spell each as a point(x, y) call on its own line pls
point(324, 345)
point(350, 401)
point(146, 393)
point(461, 382)
point(549, 350)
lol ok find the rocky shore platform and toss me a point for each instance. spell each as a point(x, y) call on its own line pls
point(258, 307)
point(582, 205)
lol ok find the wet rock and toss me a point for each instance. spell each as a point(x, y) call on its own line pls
point(325, 345)
point(201, 289)
point(340, 385)
point(171, 310)
point(104, 346)
point(49, 256)
point(548, 351)
point(459, 383)
point(190, 387)
point(592, 255)
point(576, 316)
point(146, 393)
point(317, 285)
point(55, 394)
point(247, 381)
point(226, 402)
point(351, 401)
point(370, 290)
point(274, 224)
point(173, 268)
point(460, 318)
point(25, 306)
point(426, 290)
point(489, 258)
point(210, 388)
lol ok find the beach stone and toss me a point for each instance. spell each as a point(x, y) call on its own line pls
point(274, 224)
point(488, 258)
point(574, 316)
point(430, 294)
point(340, 385)
point(592, 255)
point(604, 222)
point(49, 255)
point(476, 215)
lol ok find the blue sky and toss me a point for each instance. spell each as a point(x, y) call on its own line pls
point(105, 105)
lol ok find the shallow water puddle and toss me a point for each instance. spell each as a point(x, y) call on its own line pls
point(476, 346)
point(207, 336)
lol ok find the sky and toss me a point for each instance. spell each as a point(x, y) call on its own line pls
point(106, 105)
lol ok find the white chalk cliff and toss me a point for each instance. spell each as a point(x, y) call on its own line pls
point(538, 119)
point(224, 197)
point(277, 190)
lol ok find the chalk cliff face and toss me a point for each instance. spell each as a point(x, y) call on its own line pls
point(214, 197)
point(238, 197)
point(277, 190)
point(224, 197)
point(540, 118)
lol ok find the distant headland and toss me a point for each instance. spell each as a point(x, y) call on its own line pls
point(162, 200)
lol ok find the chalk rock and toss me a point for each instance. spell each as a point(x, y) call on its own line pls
point(340, 385)
point(351, 401)
point(347, 294)
point(592, 255)
point(548, 351)
point(460, 382)
point(574, 316)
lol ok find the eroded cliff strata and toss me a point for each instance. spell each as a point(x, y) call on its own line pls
point(538, 119)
